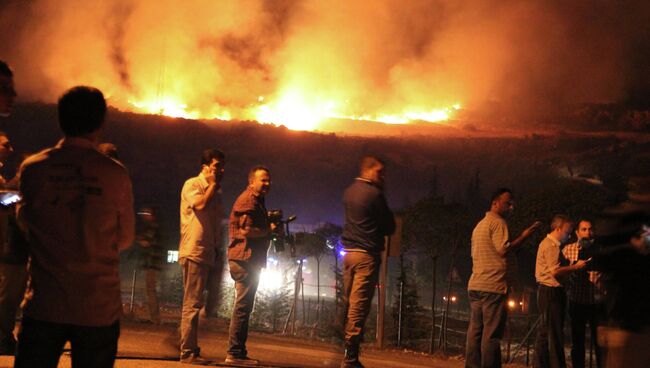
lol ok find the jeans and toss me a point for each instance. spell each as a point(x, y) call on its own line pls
point(246, 277)
point(197, 278)
point(549, 347)
point(40, 344)
point(486, 327)
point(580, 315)
point(360, 276)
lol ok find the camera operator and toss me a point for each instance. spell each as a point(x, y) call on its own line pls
point(583, 294)
point(250, 232)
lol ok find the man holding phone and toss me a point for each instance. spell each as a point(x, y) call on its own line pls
point(583, 294)
point(200, 254)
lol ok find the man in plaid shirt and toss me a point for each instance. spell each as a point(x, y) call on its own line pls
point(582, 288)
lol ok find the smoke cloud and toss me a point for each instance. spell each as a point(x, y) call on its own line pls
point(226, 58)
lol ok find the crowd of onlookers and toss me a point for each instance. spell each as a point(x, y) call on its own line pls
point(598, 270)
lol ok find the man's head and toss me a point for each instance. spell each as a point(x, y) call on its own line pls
point(213, 162)
point(561, 227)
point(259, 180)
point(81, 111)
point(585, 230)
point(373, 168)
point(5, 147)
point(7, 91)
point(502, 202)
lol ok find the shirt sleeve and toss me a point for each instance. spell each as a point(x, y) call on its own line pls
point(553, 257)
point(500, 237)
point(242, 212)
point(192, 193)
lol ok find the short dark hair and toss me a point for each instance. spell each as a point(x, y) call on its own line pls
point(211, 154)
point(5, 69)
point(559, 220)
point(370, 162)
point(497, 193)
point(254, 169)
point(81, 111)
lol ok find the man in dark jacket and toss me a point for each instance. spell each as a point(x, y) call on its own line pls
point(367, 221)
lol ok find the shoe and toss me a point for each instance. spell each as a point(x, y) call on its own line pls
point(241, 360)
point(194, 359)
point(351, 358)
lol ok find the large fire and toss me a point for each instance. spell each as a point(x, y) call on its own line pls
point(293, 109)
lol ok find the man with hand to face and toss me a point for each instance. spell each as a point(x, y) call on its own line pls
point(200, 254)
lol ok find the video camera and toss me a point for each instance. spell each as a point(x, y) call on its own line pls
point(281, 238)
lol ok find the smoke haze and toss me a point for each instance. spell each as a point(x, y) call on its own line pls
point(361, 58)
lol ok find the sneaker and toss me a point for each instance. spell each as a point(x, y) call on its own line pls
point(241, 360)
point(194, 359)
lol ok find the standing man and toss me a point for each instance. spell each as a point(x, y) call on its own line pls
point(78, 211)
point(250, 234)
point(13, 262)
point(199, 251)
point(488, 284)
point(367, 221)
point(549, 268)
point(584, 296)
point(151, 258)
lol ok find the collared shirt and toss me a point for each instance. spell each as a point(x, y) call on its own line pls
point(200, 229)
point(78, 209)
point(248, 211)
point(582, 286)
point(490, 244)
point(549, 259)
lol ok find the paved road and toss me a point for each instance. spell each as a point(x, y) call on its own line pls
point(145, 345)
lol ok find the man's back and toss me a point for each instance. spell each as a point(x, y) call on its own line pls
point(367, 217)
point(78, 208)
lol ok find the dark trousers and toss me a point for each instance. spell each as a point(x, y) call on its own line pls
point(40, 344)
point(360, 275)
point(151, 281)
point(246, 277)
point(549, 347)
point(13, 281)
point(580, 315)
point(197, 279)
point(487, 323)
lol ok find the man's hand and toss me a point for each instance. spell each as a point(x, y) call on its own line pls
point(211, 177)
point(531, 229)
point(581, 263)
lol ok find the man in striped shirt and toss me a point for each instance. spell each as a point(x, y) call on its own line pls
point(487, 287)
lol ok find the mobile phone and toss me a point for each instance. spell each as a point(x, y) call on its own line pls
point(9, 198)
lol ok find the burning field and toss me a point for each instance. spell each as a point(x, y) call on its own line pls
point(306, 64)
